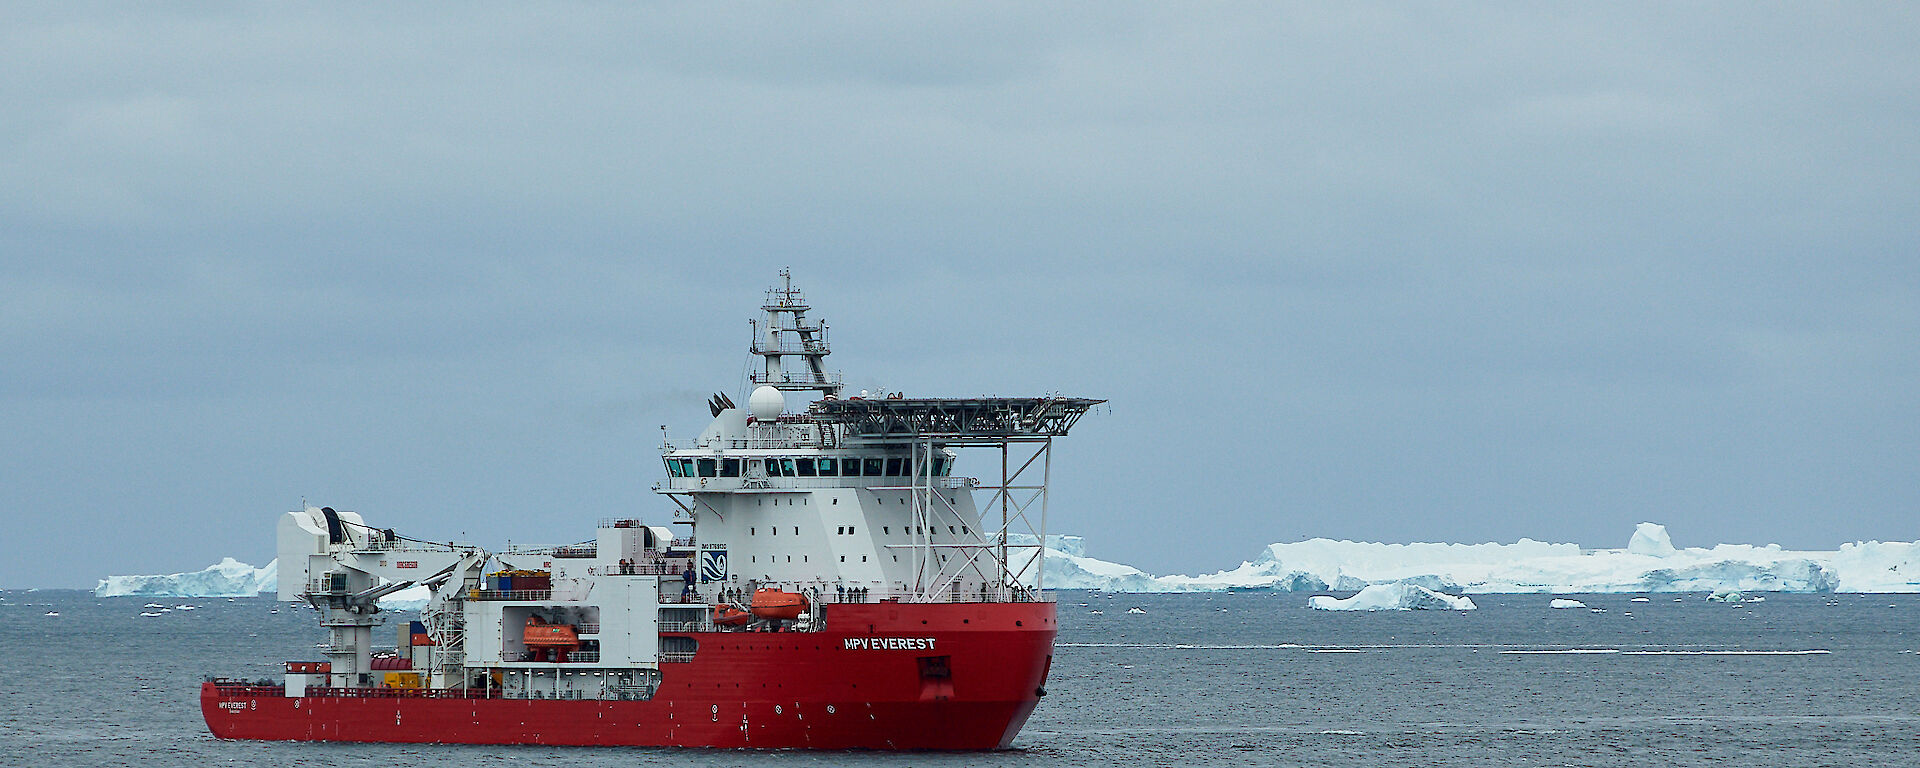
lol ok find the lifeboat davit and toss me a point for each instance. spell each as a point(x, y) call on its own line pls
point(778, 604)
point(729, 616)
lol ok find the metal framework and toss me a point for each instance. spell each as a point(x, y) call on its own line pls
point(929, 425)
point(955, 420)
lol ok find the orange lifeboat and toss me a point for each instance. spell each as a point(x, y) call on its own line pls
point(778, 604)
point(729, 616)
point(540, 634)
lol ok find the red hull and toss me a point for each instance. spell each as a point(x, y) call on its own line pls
point(858, 684)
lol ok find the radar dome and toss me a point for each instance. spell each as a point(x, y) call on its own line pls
point(766, 403)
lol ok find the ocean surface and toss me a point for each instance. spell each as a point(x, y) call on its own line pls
point(1227, 679)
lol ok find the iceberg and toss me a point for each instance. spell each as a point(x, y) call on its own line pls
point(1648, 564)
point(1565, 603)
point(227, 578)
point(230, 578)
point(1392, 597)
point(1650, 539)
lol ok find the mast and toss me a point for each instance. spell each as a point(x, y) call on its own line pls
point(785, 333)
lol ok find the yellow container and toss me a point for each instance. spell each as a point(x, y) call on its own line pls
point(403, 680)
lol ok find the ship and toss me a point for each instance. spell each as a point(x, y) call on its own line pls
point(823, 579)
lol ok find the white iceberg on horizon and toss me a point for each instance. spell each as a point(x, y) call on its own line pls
point(1650, 563)
point(1392, 597)
point(227, 578)
point(1650, 539)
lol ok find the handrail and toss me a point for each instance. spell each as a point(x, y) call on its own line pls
point(510, 594)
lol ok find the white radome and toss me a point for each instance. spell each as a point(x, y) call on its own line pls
point(766, 403)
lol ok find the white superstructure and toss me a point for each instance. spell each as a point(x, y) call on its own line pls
point(831, 500)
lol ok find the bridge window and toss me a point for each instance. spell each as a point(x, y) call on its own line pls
point(873, 468)
point(805, 466)
point(786, 468)
point(893, 468)
point(849, 467)
point(709, 468)
point(730, 468)
point(826, 468)
point(673, 467)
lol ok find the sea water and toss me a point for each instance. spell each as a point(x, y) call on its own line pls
point(1223, 679)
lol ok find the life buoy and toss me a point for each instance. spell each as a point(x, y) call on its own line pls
point(703, 482)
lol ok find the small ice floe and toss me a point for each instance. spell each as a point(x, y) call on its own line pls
point(276, 610)
point(150, 614)
point(1392, 597)
point(1597, 610)
point(1135, 610)
point(51, 613)
point(1640, 600)
point(153, 605)
point(1676, 599)
point(1098, 613)
point(1222, 610)
point(186, 607)
point(1561, 602)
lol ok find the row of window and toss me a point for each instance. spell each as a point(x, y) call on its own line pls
point(803, 558)
point(803, 467)
point(847, 530)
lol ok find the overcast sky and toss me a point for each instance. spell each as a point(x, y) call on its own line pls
point(1379, 272)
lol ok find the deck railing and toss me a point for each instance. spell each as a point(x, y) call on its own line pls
point(510, 594)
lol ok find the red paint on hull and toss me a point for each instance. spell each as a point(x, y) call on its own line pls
point(834, 689)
